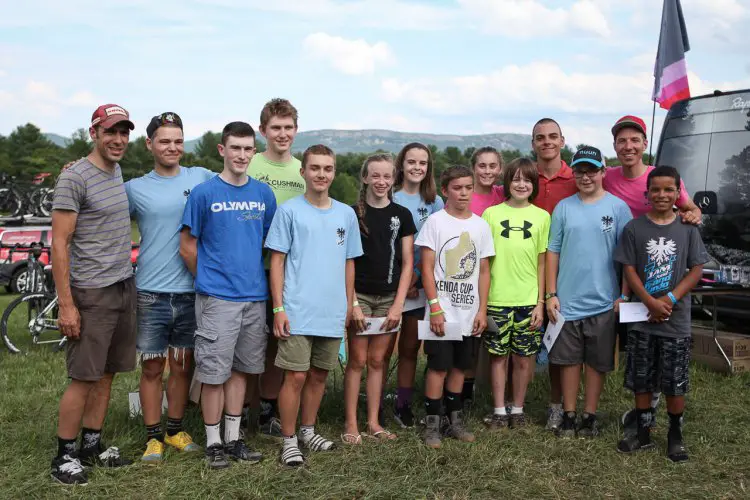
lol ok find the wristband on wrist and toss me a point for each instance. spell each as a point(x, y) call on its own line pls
point(355, 303)
point(433, 301)
point(672, 298)
point(278, 309)
point(625, 297)
point(437, 313)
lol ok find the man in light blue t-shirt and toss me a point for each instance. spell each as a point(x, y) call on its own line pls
point(224, 224)
point(166, 300)
point(582, 287)
point(314, 241)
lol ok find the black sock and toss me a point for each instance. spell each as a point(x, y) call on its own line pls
point(468, 391)
point(174, 426)
point(432, 406)
point(65, 447)
point(267, 409)
point(90, 440)
point(675, 426)
point(453, 402)
point(643, 418)
point(154, 432)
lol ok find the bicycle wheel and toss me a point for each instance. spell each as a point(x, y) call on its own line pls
point(29, 319)
point(44, 206)
point(11, 205)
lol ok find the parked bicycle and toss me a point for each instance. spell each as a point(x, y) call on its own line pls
point(31, 319)
point(17, 199)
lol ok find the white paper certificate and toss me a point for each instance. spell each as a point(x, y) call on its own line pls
point(374, 325)
point(452, 331)
point(633, 312)
point(553, 331)
point(415, 303)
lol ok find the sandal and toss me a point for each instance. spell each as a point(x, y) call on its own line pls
point(291, 456)
point(382, 435)
point(352, 439)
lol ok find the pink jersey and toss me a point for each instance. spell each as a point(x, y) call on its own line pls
point(633, 191)
point(481, 202)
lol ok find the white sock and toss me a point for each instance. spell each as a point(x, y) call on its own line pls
point(289, 441)
point(500, 411)
point(213, 435)
point(655, 400)
point(306, 432)
point(516, 410)
point(556, 406)
point(231, 428)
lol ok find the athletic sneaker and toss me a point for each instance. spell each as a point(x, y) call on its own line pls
point(554, 418)
point(632, 444)
point(432, 431)
point(518, 420)
point(567, 428)
point(497, 422)
point(457, 428)
point(676, 450)
point(404, 417)
point(109, 457)
point(182, 441)
point(154, 452)
point(589, 427)
point(68, 471)
point(271, 428)
point(630, 423)
point(215, 457)
point(238, 450)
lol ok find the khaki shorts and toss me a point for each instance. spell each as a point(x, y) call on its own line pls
point(375, 306)
point(297, 352)
point(108, 331)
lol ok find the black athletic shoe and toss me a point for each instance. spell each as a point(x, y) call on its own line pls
point(630, 423)
point(109, 457)
point(216, 457)
point(676, 450)
point(238, 450)
point(589, 427)
point(632, 444)
point(567, 428)
point(68, 471)
point(404, 417)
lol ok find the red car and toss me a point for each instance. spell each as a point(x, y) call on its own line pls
point(13, 262)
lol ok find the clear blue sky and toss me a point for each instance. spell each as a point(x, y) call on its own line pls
point(462, 66)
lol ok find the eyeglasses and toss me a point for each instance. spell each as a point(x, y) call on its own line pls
point(588, 173)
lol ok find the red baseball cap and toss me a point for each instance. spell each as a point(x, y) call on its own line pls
point(108, 115)
point(629, 121)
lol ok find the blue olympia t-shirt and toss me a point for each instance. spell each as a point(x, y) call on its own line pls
point(317, 243)
point(420, 211)
point(230, 223)
point(586, 235)
point(156, 204)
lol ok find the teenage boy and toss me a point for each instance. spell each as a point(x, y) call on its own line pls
point(582, 284)
point(628, 182)
point(96, 291)
point(166, 297)
point(314, 240)
point(281, 172)
point(656, 250)
point(456, 247)
point(223, 227)
point(556, 182)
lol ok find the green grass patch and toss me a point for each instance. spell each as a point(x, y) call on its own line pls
point(511, 465)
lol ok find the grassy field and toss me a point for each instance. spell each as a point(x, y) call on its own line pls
point(514, 465)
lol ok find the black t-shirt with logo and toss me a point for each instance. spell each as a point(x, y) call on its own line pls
point(378, 270)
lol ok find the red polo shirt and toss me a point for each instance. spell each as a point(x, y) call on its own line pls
point(556, 188)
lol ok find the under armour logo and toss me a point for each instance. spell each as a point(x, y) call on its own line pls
point(505, 233)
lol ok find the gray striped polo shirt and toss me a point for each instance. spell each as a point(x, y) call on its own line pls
point(100, 248)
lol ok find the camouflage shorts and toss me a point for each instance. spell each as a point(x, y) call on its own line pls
point(514, 332)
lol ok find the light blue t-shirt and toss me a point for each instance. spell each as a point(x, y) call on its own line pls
point(230, 223)
point(586, 235)
point(420, 211)
point(156, 204)
point(317, 244)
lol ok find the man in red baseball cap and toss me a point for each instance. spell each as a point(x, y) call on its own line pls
point(109, 115)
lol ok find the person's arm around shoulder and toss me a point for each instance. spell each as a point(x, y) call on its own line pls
point(688, 210)
point(63, 227)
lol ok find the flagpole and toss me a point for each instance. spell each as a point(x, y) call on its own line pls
point(651, 141)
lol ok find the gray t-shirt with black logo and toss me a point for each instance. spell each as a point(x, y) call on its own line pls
point(101, 246)
point(662, 256)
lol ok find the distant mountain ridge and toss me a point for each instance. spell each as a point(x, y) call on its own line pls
point(365, 141)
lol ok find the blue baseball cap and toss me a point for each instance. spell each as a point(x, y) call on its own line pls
point(590, 155)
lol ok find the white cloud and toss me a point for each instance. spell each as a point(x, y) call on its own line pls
point(351, 57)
point(531, 18)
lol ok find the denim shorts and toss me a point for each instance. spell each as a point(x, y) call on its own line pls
point(165, 320)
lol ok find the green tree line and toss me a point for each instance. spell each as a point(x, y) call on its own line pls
point(27, 152)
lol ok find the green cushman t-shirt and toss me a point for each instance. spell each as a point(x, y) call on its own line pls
point(284, 178)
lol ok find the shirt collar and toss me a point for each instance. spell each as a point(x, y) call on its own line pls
point(565, 172)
